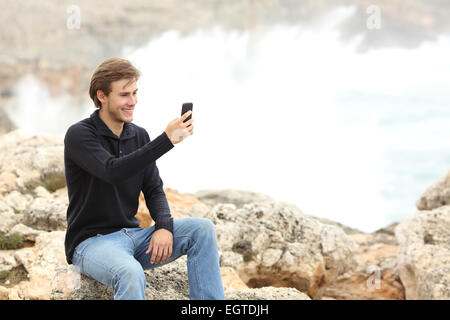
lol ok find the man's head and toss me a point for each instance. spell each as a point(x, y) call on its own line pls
point(113, 88)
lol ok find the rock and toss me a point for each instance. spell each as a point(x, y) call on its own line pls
point(231, 279)
point(85, 289)
point(17, 201)
point(266, 293)
point(178, 204)
point(375, 276)
point(275, 244)
point(7, 181)
point(236, 197)
point(27, 233)
point(4, 293)
point(436, 195)
point(7, 217)
point(168, 282)
point(6, 125)
point(45, 263)
point(35, 160)
point(46, 214)
point(424, 254)
point(7, 260)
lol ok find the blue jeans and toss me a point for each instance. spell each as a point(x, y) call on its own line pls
point(118, 259)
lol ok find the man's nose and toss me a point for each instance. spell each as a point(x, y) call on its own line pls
point(132, 101)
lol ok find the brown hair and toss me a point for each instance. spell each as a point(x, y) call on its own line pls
point(112, 69)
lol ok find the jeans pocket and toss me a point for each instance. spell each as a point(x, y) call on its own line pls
point(81, 247)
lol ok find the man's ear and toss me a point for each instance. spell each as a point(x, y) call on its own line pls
point(101, 96)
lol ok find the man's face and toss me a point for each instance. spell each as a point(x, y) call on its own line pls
point(120, 102)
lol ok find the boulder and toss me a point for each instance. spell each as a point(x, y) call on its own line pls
point(273, 243)
point(376, 275)
point(266, 293)
point(46, 214)
point(436, 195)
point(424, 254)
point(234, 196)
point(28, 160)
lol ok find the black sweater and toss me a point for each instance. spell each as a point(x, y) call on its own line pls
point(105, 174)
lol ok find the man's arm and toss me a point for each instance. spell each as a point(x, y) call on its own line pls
point(156, 200)
point(161, 243)
point(86, 151)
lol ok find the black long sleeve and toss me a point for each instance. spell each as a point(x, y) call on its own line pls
point(85, 150)
point(105, 175)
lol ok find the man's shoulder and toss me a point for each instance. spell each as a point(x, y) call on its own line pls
point(80, 128)
point(77, 127)
point(140, 131)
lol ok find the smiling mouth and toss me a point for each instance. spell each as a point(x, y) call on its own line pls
point(128, 112)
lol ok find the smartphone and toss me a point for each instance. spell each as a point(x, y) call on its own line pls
point(185, 108)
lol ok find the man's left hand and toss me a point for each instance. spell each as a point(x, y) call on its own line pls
point(161, 245)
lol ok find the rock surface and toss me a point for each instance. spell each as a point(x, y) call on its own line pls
point(274, 244)
point(376, 275)
point(268, 249)
point(424, 254)
point(29, 160)
point(436, 195)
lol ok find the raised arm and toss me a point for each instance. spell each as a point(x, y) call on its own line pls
point(83, 147)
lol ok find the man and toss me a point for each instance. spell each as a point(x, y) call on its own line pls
point(108, 162)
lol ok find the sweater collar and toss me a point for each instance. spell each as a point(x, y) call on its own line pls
point(127, 132)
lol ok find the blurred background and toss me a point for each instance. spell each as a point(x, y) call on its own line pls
point(340, 107)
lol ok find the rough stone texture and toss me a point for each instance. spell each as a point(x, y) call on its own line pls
point(266, 293)
point(236, 197)
point(424, 254)
point(274, 244)
point(34, 160)
point(436, 195)
point(45, 264)
point(376, 276)
point(262, 242)
point(46, 214)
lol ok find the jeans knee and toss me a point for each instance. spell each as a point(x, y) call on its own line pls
point(205, 227)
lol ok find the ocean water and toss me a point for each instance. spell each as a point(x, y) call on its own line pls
point(292, 112)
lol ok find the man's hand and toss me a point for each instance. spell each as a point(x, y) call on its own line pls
point(177, 130)
point(161, 245)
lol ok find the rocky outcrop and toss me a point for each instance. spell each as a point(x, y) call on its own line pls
point(268, 249)
point(436, 195)
point(375, 276)
point(274, 244)
point(424, 254)
point(33, 203)
point(29, 160)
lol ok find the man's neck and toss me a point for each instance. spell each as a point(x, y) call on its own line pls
point(114, 126)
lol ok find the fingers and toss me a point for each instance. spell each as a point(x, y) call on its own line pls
point(161, 254)
point(156, 256)
point(187, 123)
point(150, 248)
point(185, 115)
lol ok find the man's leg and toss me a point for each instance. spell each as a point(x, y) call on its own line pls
point(109, 259)
point(196, 238)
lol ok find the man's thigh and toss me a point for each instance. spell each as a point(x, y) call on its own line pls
point(183, 238)
point(102, 257)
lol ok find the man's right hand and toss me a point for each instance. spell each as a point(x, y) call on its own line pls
point(177, 130)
